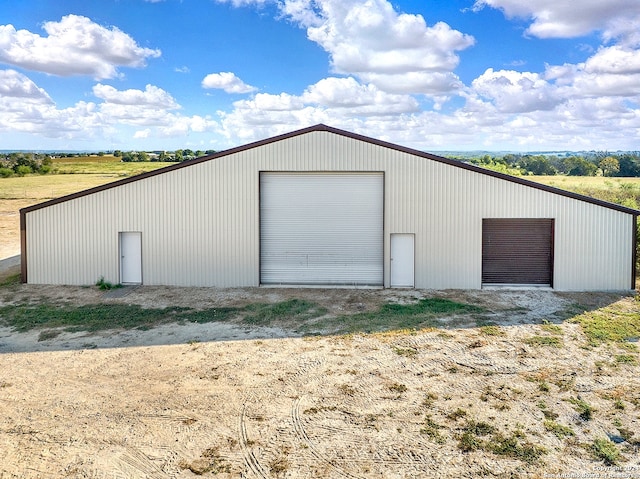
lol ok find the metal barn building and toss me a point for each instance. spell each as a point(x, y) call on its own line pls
point(322, 206)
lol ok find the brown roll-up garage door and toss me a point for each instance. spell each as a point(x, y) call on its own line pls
point(517, 251)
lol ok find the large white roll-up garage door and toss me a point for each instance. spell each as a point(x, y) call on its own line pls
point(321, 228)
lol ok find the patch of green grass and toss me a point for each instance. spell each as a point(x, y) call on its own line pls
point(511, 446)
point(551, 328)
point(429, 399)
point(469, 442)
point(10, 280)
point(211, 315)
point(106, 285)
point(492, 330)
point(544, 386)
point(558, 430)
point(392, 316)
point(432, 429)
point(397, 388)
point(584, 409)
point(457, 414)
point(610, 324)
point(479, 428)
point(103, 165)
point(408, 352)
point(497, 443)
point(99, 317)
point(316, 410)
point(626, 359)
point(262, 314)
point(552, 341)
point(605, 450)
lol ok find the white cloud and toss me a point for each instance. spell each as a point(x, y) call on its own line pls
point(503, 109)
point(616, 19)
point(142, 133)
point(74, 46)
point(14, 86)
point(397, 52)
point(151, 97)
point(614, 60)
point(515, 92)
point(228, 82)
point(328, 98)
point(603, 85)
point(356, 99)
point(151, 108)
point(269, 102)
point(178, 126)
point(611, 72)
point(338, 101)
point(27, 108)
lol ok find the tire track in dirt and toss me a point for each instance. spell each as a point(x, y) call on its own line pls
point(365, 440)
point(136, 461)
point(250, 460)
point(302, 435)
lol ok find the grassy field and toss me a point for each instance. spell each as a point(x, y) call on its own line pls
point(72, 175)
point(102, 165)
point(625, 191)
point(572, 182)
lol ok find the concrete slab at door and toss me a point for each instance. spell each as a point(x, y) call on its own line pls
point(131, 257)
point(402, 260)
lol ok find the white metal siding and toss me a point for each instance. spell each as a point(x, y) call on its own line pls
point(200, 224)
point(321, 228)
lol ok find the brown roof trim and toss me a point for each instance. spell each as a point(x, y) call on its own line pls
point(23, 247)
point(355, 136)
point(634, 251)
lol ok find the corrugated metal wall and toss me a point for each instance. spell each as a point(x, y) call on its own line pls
point(200, 224)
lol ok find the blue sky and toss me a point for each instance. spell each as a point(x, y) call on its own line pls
point(212, 74)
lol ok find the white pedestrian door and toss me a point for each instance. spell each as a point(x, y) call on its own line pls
point(131, 257)
point(402, 260)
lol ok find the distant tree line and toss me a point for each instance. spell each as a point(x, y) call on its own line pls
point(597, 163)
point(163, 156)
point(21, 164)
point(625, 164)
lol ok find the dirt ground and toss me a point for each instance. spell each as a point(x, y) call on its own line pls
point(227, 400)
point(10, 226)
